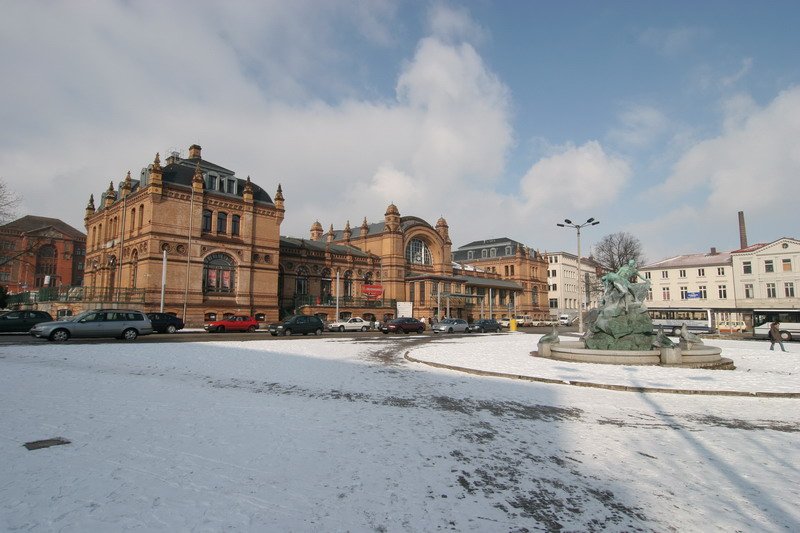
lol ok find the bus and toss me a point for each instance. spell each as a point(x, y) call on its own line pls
point(696, 320)
point(789, 319)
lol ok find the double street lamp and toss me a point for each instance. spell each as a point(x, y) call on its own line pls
point(569, 224)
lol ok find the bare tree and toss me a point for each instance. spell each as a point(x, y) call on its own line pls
point(617, 249)
point(8, 202)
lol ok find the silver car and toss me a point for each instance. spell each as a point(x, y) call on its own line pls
point(124, 324)
point(451, 325)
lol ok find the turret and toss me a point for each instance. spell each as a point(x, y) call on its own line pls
point(392, 219)
point(364, 230)
point(347, 233)
point(279, 197)
point(89, 207)
point(443, 230)
point(247, 193)
point(125, 190)
point(197, 179)
point(111, 195)
point(156, 175)
point(329, 236)
point(316, 231)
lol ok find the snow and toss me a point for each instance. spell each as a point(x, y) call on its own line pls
point(336, 434)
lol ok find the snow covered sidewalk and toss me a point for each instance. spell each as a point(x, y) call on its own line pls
point(758, 370)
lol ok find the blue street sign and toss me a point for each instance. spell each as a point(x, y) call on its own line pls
point(693, 294)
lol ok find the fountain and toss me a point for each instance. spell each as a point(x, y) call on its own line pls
point(620, 332)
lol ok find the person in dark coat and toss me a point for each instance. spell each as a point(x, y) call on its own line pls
point(775, 335)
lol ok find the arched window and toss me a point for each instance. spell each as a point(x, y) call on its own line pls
point(417, 252)
point(133, 220)
point(348, 284)
point(493, 252)
point(325, 284)
point(219, 272)
point(45, 265)
point(206, 220)
point(235, 223)
point(368, 278)
point(222, 222)
point(301, 281)
point(141, 216)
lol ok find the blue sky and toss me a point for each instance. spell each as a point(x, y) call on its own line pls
point(663, 119)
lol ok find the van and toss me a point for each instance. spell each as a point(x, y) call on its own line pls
point(565, 320)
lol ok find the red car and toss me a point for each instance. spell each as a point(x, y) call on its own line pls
point(403, 325)
point(232, 323)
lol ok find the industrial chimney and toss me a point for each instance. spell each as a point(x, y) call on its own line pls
point(742, 231)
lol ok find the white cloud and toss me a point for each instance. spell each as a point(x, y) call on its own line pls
point(579, 178)
point(640, 126)
point(454, 24)
point(753, 165)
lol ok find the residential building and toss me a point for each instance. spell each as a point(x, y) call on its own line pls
point(572, 286)
point(767, 275)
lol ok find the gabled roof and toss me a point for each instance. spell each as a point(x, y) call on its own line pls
point(758, 246)
point(32, 223)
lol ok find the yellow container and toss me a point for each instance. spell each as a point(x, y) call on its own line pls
point(512, 325)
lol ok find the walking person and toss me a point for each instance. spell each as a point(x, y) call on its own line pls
point(775, 335)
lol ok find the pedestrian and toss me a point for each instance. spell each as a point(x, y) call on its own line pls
point(775, 335)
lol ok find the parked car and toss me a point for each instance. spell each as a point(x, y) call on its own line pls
point(349, 324)
point(451, 325)
point(124, 324)
point(524, 321)
point(165, 322)
point(232, 323)
point(484, 325)
point(22, 321)
point(504, 322)
point(403, 325)
point(297, 324)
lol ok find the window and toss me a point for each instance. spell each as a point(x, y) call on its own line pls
point(701, 272)
point(206, 220)
point(788, 289)
point(471, 254)
point(417, 253)
point(211, 182)
point(748, 290)
point(681, 273)
point(301, 281)
point(553, 303)
point(771, 292)
point(769, 266)
point(484, 253)
point(493, 252)
point(665, 293)
point(45, 265)
point(720, 271)
point(664, 274)
point(722, 290)
point(512, 270)
point(647, 275)
point(348, 284)
point(747, 267)
point(787, 265)
point(684, 291)
point(702, 290)
point(650, 294)
point(228, 185)
point(141, 216)
point(219, 272)
point(222, 222)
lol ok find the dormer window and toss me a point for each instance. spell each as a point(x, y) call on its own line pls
point(493, 252)
point(228, 185)
point(508, 250)
point(212, 182)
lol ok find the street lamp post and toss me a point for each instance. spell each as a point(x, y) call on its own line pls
point(569, 224)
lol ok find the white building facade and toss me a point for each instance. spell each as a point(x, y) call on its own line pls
point(767, 276)
point(569, 287)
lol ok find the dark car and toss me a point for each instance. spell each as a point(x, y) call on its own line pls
point(232, 323)
point(165, 323)
point(484, 325)
point(297, 324)
point(403, 325)
point(22, 321)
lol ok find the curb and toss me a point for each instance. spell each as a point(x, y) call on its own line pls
point(589, 384)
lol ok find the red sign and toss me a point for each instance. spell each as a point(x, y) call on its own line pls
point(372, 291)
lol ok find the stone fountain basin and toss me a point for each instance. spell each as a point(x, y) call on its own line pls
point(700, 356)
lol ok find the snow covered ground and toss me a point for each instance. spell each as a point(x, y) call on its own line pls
point(335, 434)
